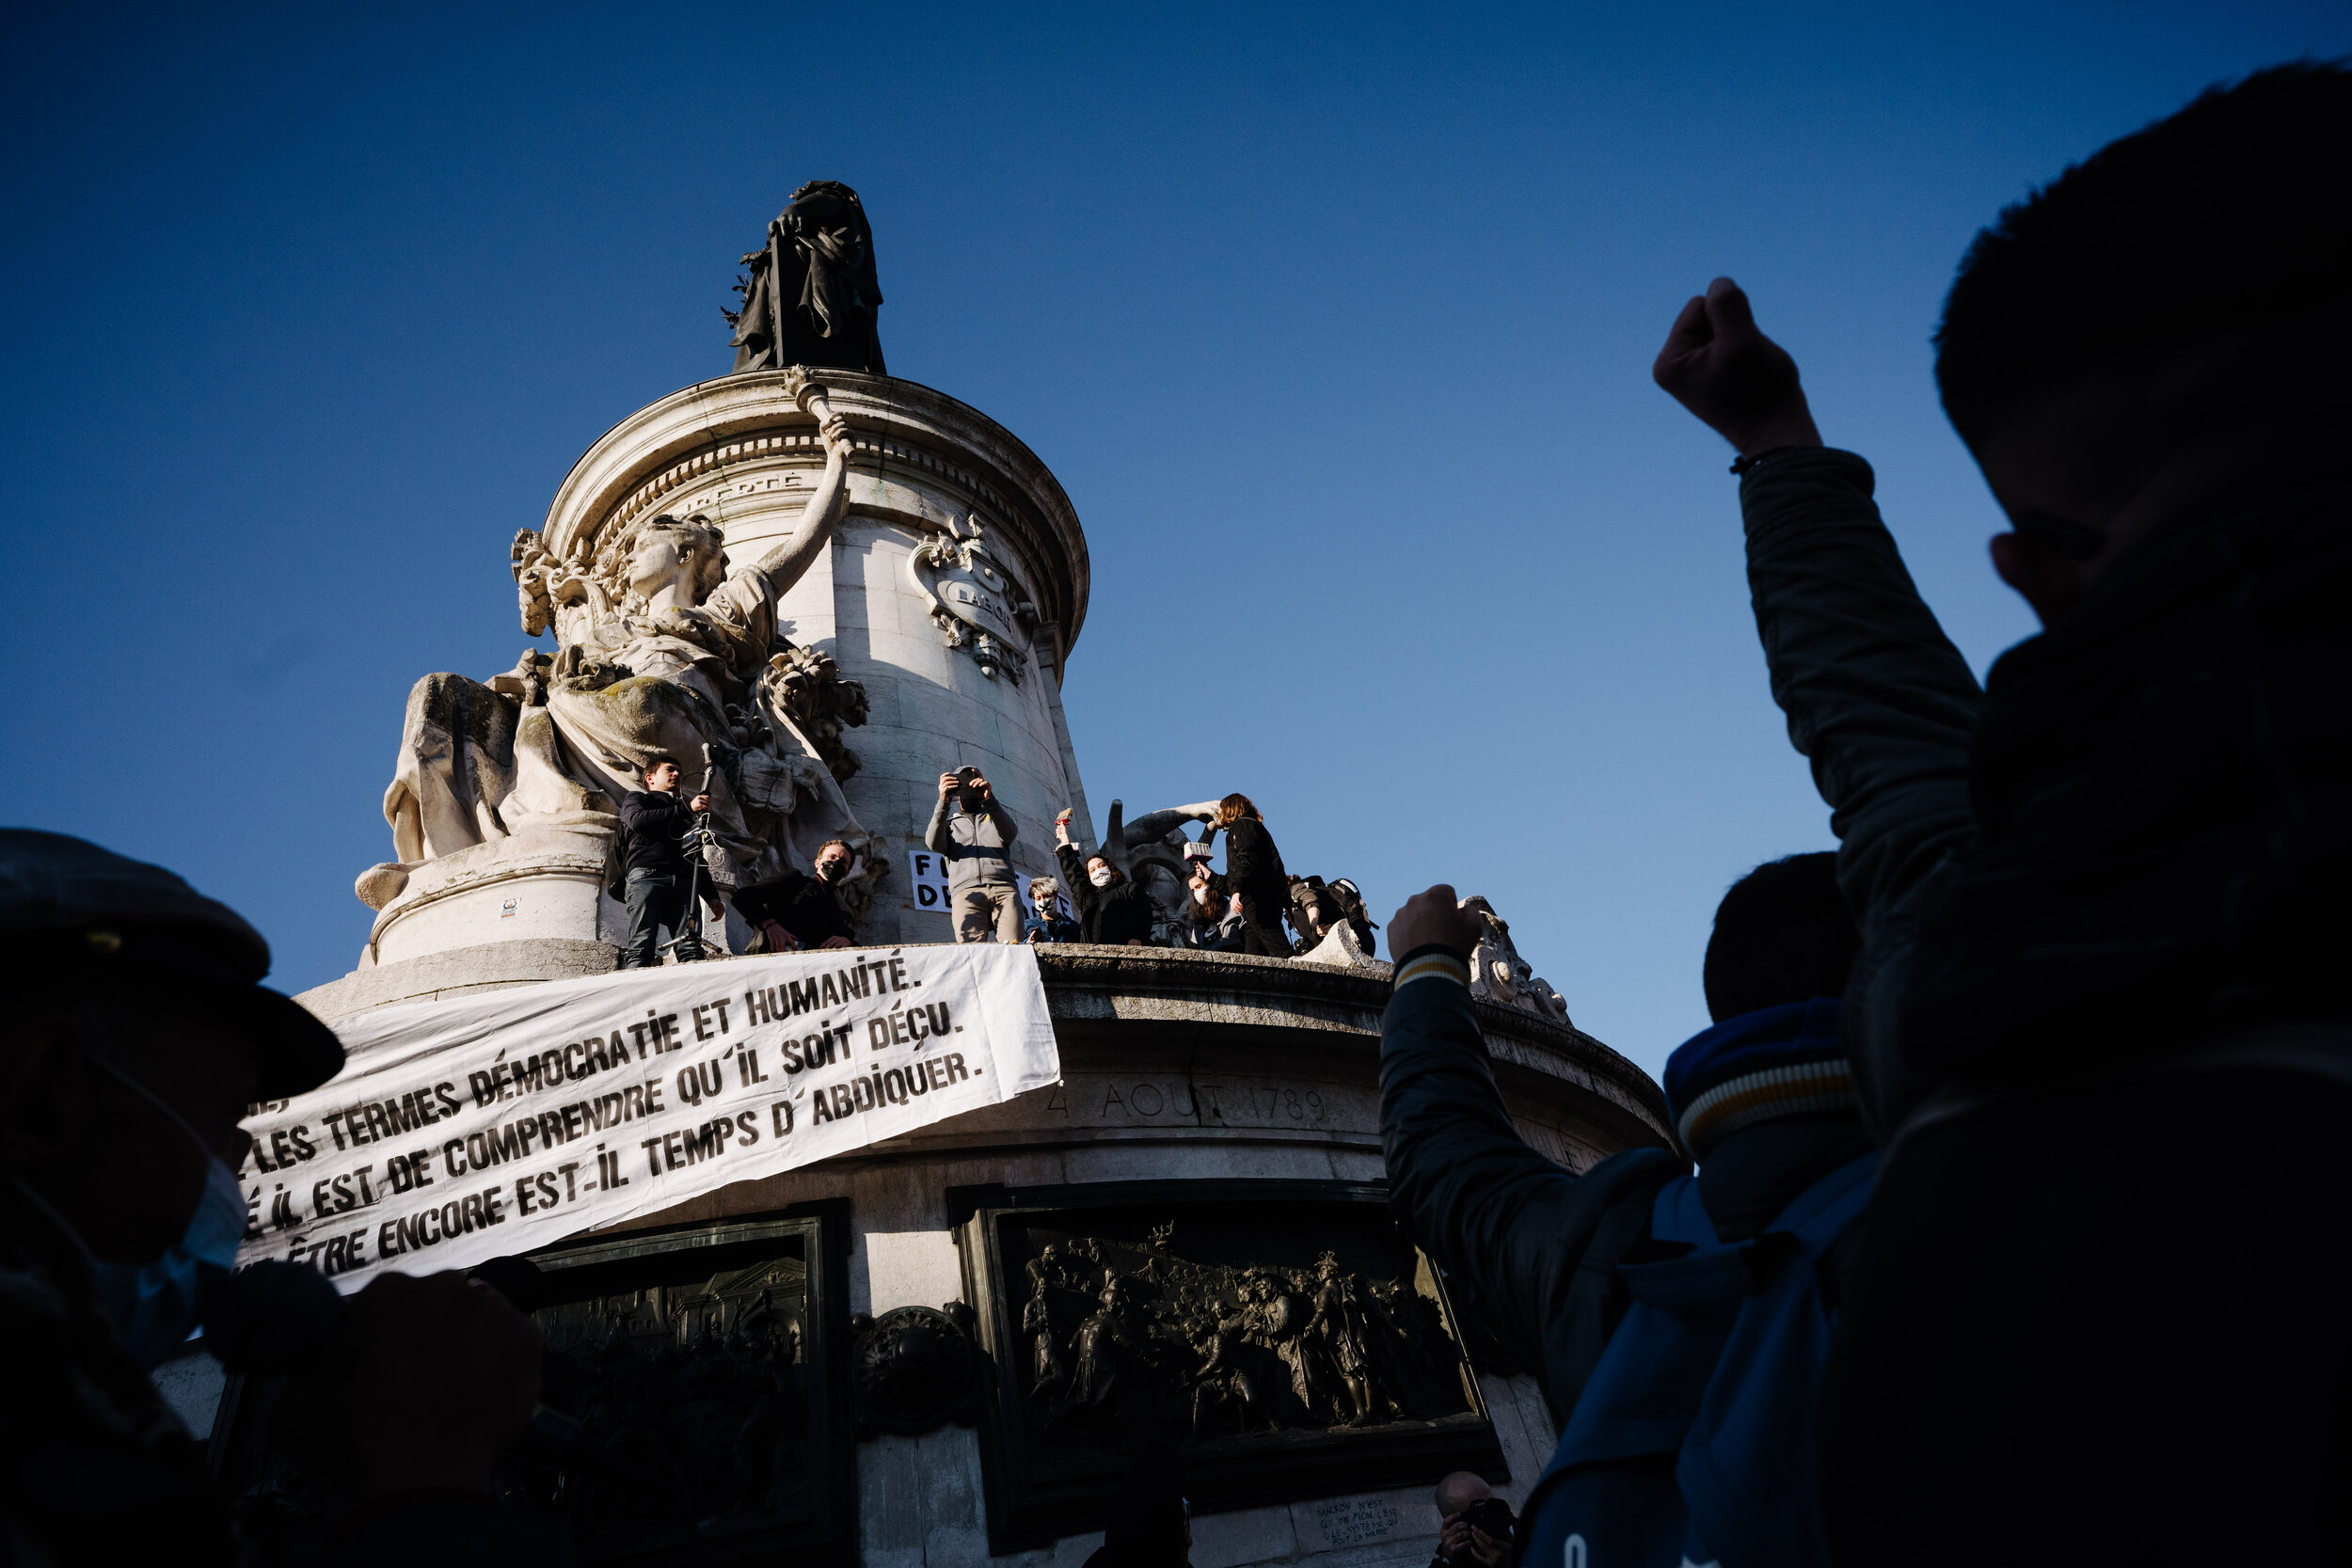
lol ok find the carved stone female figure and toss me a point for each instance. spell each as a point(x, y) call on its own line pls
point(660, 650)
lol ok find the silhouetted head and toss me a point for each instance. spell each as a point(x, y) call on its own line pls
point(2169, 314)
point(1782, 934)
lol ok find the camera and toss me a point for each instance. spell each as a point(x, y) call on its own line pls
point(1492, 1515)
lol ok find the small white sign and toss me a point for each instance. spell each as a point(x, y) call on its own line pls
point(927, 874)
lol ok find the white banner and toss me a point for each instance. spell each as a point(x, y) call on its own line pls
point(475, 1128)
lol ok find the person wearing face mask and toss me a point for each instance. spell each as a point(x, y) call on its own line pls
point(1047, 923)
point(1112, 907)
point(972, 831)
point(796, 911)
point(134, 1039)
point(1212, 918)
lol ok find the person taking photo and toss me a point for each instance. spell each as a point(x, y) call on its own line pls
point(654, 820)
point(973, 834)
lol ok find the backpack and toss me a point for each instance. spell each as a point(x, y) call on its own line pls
point(1351, 899)
point(1692, 1440)
point(1340, 901)
point(616, 865)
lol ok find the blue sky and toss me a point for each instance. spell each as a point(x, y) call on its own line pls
point(1334, 323)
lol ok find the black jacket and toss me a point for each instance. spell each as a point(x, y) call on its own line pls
point(1116, 914)
point(1254, 867)
point(1531, 1247)
point(802, 904)
point(653, 823)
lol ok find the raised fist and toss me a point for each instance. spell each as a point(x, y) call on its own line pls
point(1743, 385)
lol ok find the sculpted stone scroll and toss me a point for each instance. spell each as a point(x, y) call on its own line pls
point(1498, 974)
point(973, 601)
point(661, 648)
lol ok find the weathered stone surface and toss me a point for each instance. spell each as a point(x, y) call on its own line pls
point(742, 451)
point(1499, 976)
point(487, 966)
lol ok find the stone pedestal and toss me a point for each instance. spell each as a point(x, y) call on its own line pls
point(540, 884)
point(1218, 1114)
point(740, 451)
point(1181, 1070)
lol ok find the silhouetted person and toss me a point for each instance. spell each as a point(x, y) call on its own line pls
point(1254, 867)
point(135, 1036)
point(2100, 1014)
point(1679, 1324)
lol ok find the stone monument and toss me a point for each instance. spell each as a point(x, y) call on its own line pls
point(834, 585)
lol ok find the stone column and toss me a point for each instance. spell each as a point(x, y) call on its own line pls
point(928, 471)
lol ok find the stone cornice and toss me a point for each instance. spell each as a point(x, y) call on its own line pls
point(1307, 1004)
point(695, 433)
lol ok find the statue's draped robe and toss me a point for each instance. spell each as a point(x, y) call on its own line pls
point(474, 765)
point(815, 298)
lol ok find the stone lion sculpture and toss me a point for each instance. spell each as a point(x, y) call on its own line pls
point(661, 648)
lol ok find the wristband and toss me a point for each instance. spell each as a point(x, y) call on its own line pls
point(1746, 466)
point(1431, 963)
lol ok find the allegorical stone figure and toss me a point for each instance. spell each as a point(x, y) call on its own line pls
point(661, 650)
point(811, 297)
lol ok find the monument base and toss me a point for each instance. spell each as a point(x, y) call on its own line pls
point(1215, 1135)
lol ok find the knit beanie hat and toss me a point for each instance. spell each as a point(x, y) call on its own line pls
point(1778, 1061)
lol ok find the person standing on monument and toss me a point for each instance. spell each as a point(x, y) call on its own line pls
point(2097, 1313)
point(972, 831)
point(1254, 867)
point(654, 820)
point(135, 1035)
point(1113, 908)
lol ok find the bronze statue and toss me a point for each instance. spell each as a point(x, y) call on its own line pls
point(1224, 1379)
point(1339, 1329)
point(1036, 1321)
point(811, 297)
point(1104, 1345)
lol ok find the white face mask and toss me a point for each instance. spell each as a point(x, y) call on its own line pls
point(1099, 879)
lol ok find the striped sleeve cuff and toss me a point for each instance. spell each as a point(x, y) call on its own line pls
point(1432, 963)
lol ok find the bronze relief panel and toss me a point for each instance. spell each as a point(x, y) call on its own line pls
point(694, 1403)
point(1270, 1340)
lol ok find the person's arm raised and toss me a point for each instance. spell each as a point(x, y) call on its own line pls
point(1491, 1211)
point(935, 835)
point(1877, 699)
point(787, 564)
